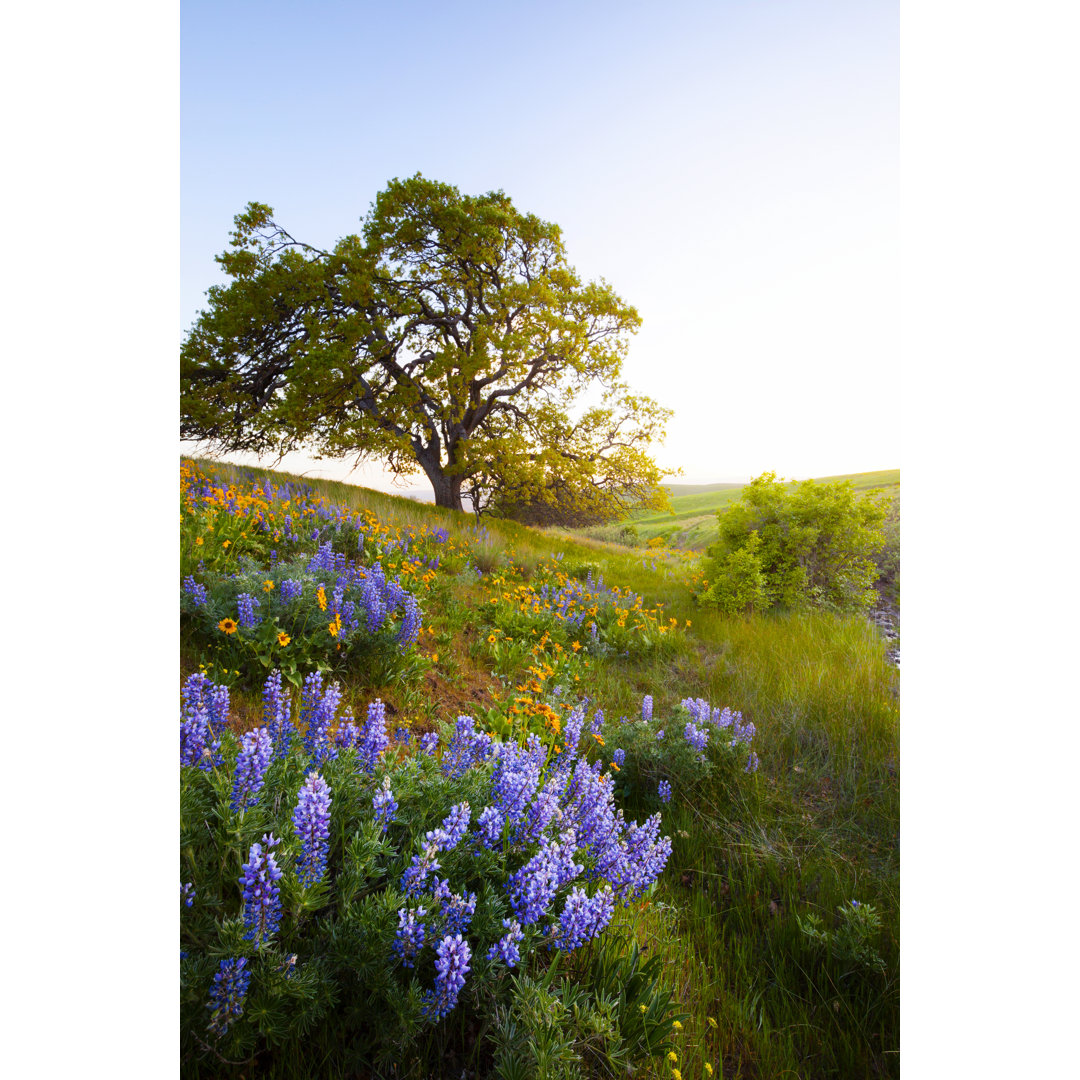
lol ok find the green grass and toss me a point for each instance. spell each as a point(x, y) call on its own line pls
point(816, 827)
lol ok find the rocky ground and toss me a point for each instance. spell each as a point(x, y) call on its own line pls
point(886, 617)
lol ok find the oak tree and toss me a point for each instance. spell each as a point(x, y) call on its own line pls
point(451, 336)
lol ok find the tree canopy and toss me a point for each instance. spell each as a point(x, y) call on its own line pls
point(452, 336)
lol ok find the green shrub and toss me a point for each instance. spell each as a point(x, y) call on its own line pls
point(814, 544)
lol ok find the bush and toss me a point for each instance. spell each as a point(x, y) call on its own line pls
point(808, 545)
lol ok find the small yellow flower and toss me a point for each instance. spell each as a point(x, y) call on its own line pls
point(226, 543)
point(712, 1022)
point(227, 626)
point(283, 638)
point(677, 1025)
point(708, 1068)
point(615, 767)
point(198, 541)
point(267, 586)
point(675, 1073)
point(333, 629)
point(642, 1008)
point(491, 639)
point(672, 1056)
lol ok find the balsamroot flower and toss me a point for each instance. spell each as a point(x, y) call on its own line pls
point(227, 993)
point(256, 749)
point(451, 966)
point(262, 901)
point(312, 823)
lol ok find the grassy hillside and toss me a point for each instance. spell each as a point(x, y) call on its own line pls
point(692, 522)
point(777, 914)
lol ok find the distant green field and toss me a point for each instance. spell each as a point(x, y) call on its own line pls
point(692, 522)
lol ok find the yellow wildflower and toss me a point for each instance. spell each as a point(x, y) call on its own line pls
point(712, 1022)
point(708, 1068)
point(642, 1008)
point(677, 1025)
point(283, 638)
point(198, 541)
point(226, 543)
point(267, 586)
point(228, 626)
point(672, 1056)
point(676, 1074)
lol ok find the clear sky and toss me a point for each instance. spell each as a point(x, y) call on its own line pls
point(731, 168)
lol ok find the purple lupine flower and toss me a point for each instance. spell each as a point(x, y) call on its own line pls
point(429, 742)
point(451, 966)
point(227, 993)
point(646, 857)
point(665, 791)
point(533, 887)
point(246, 605)
point(412, 881)
point(410, 623)
point(507, 945)
point(409, 939)
point(646, 708)
point(618, 755)
point(402, 735)
point(660, 735)
point(514, 780)
point(205, 712)
point(597, 723)
point(543, 810)
point(312, 823)
point(572, 736)
point(752, 762)
point(347, 734)
point(196, 591)
point(277, 714)
point(695, 736)
point(457, 910)
point(385, 805)
point(490, 826)
point(583, 917)
point(373, 738)
point(291, 590)
point(320, 718)
point(197, 743)
point(323, 559)
point(187, 894)
point(448, 835)
point(466, 748)
point(723, 718)
point(262, 900)
point(256, 749)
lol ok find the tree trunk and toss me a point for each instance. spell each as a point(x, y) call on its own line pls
point(447, 488)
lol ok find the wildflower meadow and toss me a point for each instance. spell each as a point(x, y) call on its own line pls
point(490, 801)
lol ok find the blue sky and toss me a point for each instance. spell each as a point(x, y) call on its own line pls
point(732, 169)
